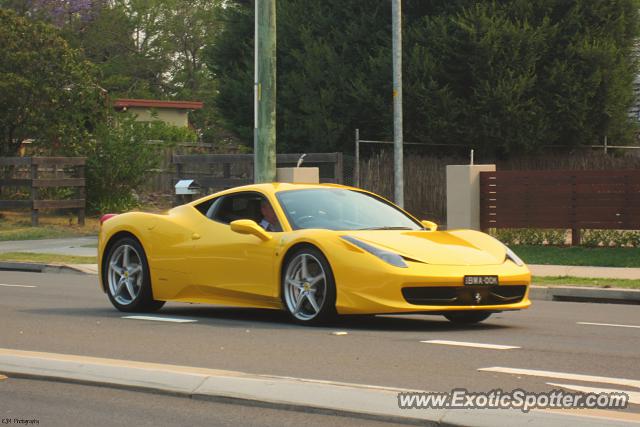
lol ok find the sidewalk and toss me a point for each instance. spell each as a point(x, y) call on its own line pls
point(87, 246)
point(536, 270)
point(369, 402)
point(580, 271)
point(75, 246)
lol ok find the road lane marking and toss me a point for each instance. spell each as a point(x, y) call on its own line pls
point(595, 413)
point(303, 393)
point(472, 344)
point(608, 324)
point(18, 286)
point(634, 396)
point(564, 376)
point(160, 319)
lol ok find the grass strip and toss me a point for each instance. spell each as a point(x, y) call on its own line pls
point(597, 257)
point(585, 281)
point(40, 258)
point(17, 226)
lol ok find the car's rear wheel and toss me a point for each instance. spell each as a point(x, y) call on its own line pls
point(308, 287)
point(467, 316)
point(126, 275)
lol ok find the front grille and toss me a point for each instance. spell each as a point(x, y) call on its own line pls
point(464, 295)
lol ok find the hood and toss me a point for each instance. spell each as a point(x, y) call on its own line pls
point(454, 247)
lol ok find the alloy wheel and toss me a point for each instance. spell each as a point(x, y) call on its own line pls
point(125, 274)
point(305, 287)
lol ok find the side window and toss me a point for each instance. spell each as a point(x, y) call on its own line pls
point(206, 208)
point(236, 206)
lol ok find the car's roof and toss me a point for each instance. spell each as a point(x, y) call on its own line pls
point(285, 186)
point(274, 187)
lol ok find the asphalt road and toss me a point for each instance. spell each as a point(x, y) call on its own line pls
point(58, 404)
point(66, 313)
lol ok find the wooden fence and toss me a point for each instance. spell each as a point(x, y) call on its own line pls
point(561, 199)
point(221, 171)
point(39, 175)
point(160, 179)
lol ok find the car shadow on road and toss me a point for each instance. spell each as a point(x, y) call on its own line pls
point(411, 323)
point(233, 317)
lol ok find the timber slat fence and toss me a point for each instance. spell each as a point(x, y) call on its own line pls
point(565, 199)
point(41, 173)
point(221, 171)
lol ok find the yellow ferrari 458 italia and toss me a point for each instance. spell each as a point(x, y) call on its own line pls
point(314, 250)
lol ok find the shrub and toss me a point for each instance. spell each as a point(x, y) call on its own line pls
point(119, 157)
point(610, 238)
point(590, 238)
point(530, 236)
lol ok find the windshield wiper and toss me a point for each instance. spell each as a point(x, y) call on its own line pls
point(386, 228)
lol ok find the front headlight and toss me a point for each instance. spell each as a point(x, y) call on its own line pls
point(513, 257)
point(388, 257)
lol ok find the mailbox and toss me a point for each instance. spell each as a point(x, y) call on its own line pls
point(187, 186)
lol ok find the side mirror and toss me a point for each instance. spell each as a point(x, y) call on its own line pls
point(247, 226)
point(429, 225)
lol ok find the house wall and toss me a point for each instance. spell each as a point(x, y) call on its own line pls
point(178, 118)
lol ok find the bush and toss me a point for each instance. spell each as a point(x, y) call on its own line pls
point(632, 238)
point(530, 236)
point(161, 131)
point(119, 157)
point(610, 238)
point(590, 238)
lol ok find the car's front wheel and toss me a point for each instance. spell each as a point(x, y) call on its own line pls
point(308, 287)
point(126, 274)
point(467, 317)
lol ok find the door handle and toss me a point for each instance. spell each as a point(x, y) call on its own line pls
point(195, 236)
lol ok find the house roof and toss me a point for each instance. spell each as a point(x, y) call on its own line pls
point(154, 103)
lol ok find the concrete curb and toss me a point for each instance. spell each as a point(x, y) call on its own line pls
point(354, 400)
point(585, 294)
point(41, 268)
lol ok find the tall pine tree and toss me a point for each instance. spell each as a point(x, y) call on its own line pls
point(501, 76)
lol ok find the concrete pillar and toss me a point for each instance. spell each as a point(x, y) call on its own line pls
point(463, 195)
point(298, 175)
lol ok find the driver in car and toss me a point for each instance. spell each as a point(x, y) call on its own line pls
point(269, 220)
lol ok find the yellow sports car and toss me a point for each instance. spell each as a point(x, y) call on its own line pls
point(314, 250)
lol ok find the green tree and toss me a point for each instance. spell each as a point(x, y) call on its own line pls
point(327, 82)
point(230, 59)
point(519, 75)
point(124, 40)
point(141, 48)
point(191, 25)
point(500, 76)
point(48, 92)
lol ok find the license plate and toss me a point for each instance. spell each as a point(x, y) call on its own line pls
point(480, 280)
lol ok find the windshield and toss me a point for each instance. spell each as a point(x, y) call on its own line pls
point(338, 209)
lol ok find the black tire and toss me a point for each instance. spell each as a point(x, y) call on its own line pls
point(467, 317)
point(143, 300)
point(327, 311)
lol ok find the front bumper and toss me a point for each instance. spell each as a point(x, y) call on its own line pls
point(380, 289)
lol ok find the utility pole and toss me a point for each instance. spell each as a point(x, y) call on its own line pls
point(264, 132)
point(398, 168)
